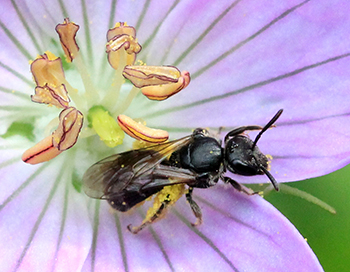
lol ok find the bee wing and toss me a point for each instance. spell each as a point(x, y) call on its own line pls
point(148, 184)
point(113, 174)
point(165, 175)
point(159, 153)
point(98, 177)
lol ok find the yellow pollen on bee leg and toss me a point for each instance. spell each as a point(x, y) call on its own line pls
point(168, 195)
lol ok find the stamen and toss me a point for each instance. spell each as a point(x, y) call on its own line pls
point(157, 82)
point(163, 92)
point(41, 152)
point(52, 96)
point(124, 105)
point(66, 135)
point(141, 132)
point(47, 70)
point(112, 95)
point(122, 37)
point(67, 32)
point(91, 94)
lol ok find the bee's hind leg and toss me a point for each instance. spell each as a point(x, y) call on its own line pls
point(195, 208)
point(164, 198)
point(147, 221)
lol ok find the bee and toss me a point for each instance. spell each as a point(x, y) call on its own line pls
point(195, 161)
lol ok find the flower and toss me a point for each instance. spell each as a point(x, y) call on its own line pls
point(246, 61)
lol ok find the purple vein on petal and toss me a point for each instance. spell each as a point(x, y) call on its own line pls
point(63, 9)
point(16, 108)
point(305, 121)
point(15, 41)
point(224, 213)
point(23, 186)
point(40, 218)
point(298, 157)
point(248, 88)
point(279, 124)
point(8, 162)
point(111, 23)
point(252, 37)
point(12, 92)
point(159, 243)
point(90, 59)
point(94, 237)
point(155, 31)
point(121, 243)
point(205, 239)
point(202, 36)
point(143, 13)
point(26, 27)
point(63, 222)
point(112, 14)
point(16, 74)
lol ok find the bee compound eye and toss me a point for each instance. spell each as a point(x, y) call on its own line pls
point(243, 168)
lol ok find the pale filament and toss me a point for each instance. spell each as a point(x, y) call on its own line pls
point(113, 92)
point(122, 107)
point(91, 94)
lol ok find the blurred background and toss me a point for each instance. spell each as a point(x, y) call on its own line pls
point(328, 234)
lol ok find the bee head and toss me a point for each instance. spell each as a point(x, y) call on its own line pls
point(243, 157)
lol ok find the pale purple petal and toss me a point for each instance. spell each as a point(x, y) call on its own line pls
point(239, 233)
point(291, 55)
point(247, 60)
point(39, 229)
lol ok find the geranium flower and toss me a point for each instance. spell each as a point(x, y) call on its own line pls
point(246, 59)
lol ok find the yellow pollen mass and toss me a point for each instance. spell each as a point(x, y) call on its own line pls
point(168, 195)
point(50, 55)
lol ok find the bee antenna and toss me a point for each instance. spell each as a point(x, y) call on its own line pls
point(266, 127)
point(271, 178)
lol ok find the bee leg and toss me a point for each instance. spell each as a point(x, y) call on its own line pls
point(239, 187)
point(195, 208)
point(154, 217)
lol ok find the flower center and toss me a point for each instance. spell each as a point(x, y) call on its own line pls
point(98, 111)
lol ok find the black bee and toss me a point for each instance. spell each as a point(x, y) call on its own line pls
point(197, 161)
